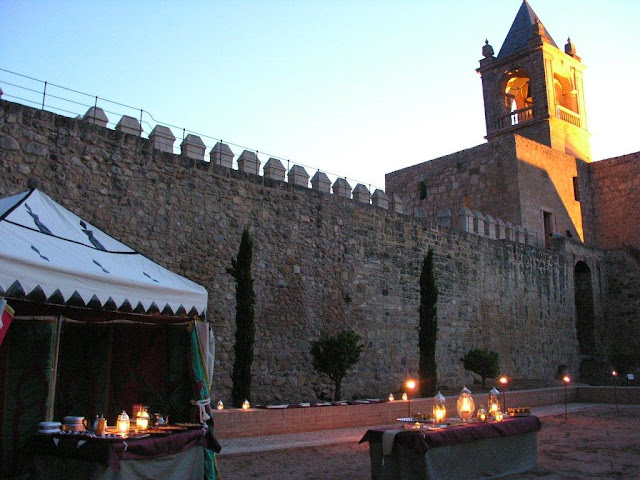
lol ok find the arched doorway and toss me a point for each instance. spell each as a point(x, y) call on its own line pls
point(585, 315)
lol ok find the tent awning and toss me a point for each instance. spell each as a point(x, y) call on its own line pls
point(48, 255)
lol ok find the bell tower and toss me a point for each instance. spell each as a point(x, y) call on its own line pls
point(534, 89)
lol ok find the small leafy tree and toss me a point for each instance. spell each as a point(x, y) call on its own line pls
point(428, 328)
point(483, 362)
point(335, 355)
point(245, 315)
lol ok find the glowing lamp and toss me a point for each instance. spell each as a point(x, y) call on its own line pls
point(411, 384)
point(482, 415)
point(466, 405)
point(498, 416)
point(391, 397)
point(220, 405)
point(142, 419)
point(246, 405)
point(439, 409)
point(493, 404)
point(504, 380)
point(566, 379)
point(123, 423)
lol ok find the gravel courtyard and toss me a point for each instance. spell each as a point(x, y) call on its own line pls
point(598, 443)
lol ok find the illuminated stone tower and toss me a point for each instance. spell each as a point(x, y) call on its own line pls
point(534, 89)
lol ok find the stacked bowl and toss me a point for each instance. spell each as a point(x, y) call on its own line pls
point(74, 424)
point(48, 428)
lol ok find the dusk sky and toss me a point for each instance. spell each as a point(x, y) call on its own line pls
point(353, 88)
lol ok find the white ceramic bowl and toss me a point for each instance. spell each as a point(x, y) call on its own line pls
point(49, 425)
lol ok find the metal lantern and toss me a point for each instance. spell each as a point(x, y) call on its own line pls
point(439, 409)
point(220, 405)
point(123, 423)
point(391, 397)
point(246, 405)
point(482, 415)
point(465, 405)
point(494, 402)
point(142, 419)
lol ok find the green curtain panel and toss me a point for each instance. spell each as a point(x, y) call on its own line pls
point(25, 369)
point(200, 387)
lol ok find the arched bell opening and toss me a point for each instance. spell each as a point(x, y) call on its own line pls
point(517, 98)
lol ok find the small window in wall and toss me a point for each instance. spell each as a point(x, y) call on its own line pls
point(576, 189)
point(549, 226)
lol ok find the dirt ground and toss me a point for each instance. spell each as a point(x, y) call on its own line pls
point(599, 443)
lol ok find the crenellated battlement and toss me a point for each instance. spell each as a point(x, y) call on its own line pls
point(473, 221)
point(248, 161)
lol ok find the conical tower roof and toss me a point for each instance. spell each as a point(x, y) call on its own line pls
point(521, 31)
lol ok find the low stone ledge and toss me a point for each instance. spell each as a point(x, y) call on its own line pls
point(236, 423)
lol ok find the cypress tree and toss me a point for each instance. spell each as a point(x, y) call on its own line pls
point(245, 325)
point(428, 328)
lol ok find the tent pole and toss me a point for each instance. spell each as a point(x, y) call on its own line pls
point(54, 370)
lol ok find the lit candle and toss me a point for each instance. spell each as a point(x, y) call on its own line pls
point(482, 415)
point(142, 420)
point(439, 415)
point(246, 405)
point(404, 396)
point(391, 397)
point(498, 416)
point(465, 410)
point(220, 405)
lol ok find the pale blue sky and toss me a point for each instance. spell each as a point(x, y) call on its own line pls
point(355, 88)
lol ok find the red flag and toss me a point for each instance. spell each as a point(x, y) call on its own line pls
point(6, 316)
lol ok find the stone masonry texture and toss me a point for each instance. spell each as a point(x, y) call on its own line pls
point(321, 263)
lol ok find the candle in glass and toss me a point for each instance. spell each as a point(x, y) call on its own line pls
point(439, 409)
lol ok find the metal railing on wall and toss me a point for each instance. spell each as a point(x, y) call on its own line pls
point(45, 95)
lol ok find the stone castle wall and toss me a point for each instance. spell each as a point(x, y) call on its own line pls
point(617, 196)
point(321, 262)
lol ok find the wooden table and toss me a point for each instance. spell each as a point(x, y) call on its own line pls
point(469, 451)
point(177, 455)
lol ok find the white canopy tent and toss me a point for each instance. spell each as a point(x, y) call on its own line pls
point(51, 255)
point(53, 262)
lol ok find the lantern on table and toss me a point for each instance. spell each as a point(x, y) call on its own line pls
point(246, 405)
point(482, 415)
point(465, 405)
point(439, 409)
point(123, 423)
point(142, 419)
point(220, 405)
point(494, 402)
point(391, 398)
